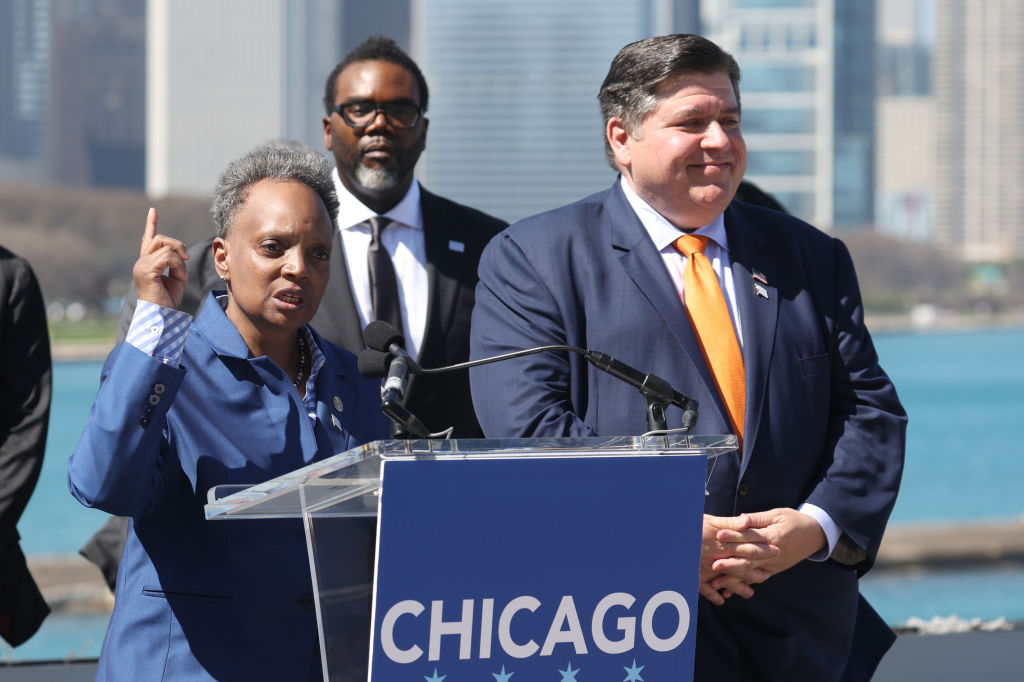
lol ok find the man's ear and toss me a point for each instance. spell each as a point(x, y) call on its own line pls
point(619, 138)
point(326, 120)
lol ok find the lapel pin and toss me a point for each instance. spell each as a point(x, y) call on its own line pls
point(456, 246)
point(337, 424)
point(338, 405)
point(760, 284)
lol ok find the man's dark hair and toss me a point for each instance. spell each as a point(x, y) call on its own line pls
point(630, 90)
point(752, 194)
point(376, 48)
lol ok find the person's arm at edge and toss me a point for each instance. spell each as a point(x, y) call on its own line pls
point(25, 376)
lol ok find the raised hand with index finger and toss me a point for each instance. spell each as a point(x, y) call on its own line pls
point(157, 255)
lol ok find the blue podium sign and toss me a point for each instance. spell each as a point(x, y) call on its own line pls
point(577, 569)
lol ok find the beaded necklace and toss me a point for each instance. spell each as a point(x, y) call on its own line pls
point(299, 376)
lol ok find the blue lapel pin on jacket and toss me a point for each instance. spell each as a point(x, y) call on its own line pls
point(456, 246)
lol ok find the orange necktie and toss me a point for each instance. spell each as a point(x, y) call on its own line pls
point(712, 324)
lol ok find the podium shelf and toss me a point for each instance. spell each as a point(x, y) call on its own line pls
point(347, 484)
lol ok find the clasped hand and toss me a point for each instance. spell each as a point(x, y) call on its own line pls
point(160, 254)
point(740, 551)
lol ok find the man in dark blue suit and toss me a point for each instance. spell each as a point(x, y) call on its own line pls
point(796, 516)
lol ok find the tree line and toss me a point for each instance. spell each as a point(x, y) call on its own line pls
point(82, 244)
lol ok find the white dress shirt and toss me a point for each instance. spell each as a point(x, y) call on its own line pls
point(405, 243)
point(664, 234)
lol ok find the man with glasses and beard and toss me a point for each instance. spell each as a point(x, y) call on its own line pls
point(408, 256)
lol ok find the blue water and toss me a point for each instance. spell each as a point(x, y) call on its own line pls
point(964, 392)
point(54, 522)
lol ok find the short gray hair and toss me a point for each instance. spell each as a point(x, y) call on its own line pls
point(630, 90)
point(275, 160)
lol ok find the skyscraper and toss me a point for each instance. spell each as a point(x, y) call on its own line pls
point(224, 76)
point(515, 124)
point(24, 86)
point(979, 116)
point(905, 131)
point(808, 92)
point(96, 131)
point(514, 121)
point(72, 92)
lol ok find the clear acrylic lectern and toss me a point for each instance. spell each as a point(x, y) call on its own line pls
point(338, 501)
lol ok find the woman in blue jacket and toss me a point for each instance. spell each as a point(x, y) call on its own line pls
point(242, 394)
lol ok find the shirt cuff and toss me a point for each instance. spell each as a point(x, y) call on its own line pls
point(159, 332)
point(832, 531)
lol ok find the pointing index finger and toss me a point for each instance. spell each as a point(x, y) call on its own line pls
point(150, 232)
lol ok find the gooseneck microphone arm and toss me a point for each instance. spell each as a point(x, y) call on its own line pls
point(386, 356)
point(657, 392)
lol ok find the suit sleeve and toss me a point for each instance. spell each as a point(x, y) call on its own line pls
point(866, 435)
point(515, 309)
point(118, 463)
point(25, 383)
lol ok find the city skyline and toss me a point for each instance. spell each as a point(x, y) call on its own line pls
point(515, 127)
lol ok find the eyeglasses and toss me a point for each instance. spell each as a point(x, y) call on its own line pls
point(362, 113)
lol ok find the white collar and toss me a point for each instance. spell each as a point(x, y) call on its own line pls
point(662, 232)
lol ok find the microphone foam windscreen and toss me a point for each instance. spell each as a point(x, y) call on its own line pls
point(379, 335)
point(373, 364)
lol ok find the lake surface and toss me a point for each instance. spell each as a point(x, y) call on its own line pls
point(964, 392)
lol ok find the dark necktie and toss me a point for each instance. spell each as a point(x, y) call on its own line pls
point(383, 283)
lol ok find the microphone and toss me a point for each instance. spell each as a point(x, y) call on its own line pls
point(373, 364)
point(386, 349)
point(385, 342)
point(381, 336)
point(650, 385)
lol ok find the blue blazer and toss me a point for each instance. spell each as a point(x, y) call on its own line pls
point(199, 600)
point(823, 423)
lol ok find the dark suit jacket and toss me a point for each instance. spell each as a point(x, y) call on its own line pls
point(195, 599)
point(24, 418)
point(823, 422)
point(441, 400)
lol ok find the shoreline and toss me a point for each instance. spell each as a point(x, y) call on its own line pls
point(91, 351)
point(71, 584)
point(926, 546)
point(941, 322)
point(79, 351)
